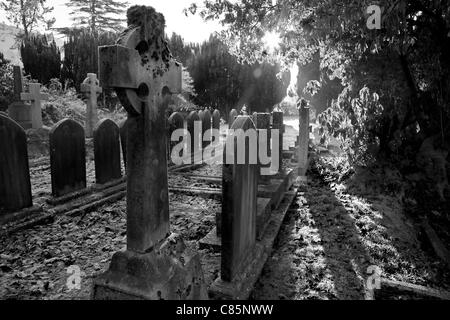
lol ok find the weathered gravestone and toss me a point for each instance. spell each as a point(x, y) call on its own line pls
point(216, 126)
point(232, 116)
point(277, 124)
point(15, 186)
point(262, 123)
point(176, 122)
point(18, 110)
point(156, 264)
point(67, 157)
point(193, 121)
point(107, 151)
point(254, 114)
point(123, 139)
point(205, 118)
point(91, 89)
point(216, 120)
point(36, 97)
point(303, 136)
point(239, 250)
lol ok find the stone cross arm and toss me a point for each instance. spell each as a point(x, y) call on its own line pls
point(91, 84)
point(121, 67)
point(34, 93)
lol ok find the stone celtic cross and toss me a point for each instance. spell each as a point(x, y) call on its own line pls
point(156, 264)
point(36, 97)
point(91, 89)
point(140, 68)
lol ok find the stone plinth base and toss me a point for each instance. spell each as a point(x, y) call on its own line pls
point(212, 242)
point(273, 191)
point(21, 113)
point(241, 287)
point(170, 272)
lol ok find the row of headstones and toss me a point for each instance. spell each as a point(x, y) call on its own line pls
point(208, 121)
point(240, 192)
point(30, 115)
point(67, 160)
point(239, 197)
point(68, 155)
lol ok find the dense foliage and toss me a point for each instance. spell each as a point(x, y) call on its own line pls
point(81, 54)
point(395, 62)
point(6, 83)
point(41, 58)
point(28, 14)
point(221, 82)
point(98, 15)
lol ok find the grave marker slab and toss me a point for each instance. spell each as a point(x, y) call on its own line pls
point(239, 205)
point(192, 119)
point(277, 123)
point(205, 118)
point(67, 157)
point(176, 121)
point(156, 264)
point(91, 89)
point(123, 139)
point(36, 97)
point(18, 110)
point(262, 122)
point(303, 137)
point(216, 119)
point(240, 252)
point(232, 116)
point(107, 151)
point(15, 185)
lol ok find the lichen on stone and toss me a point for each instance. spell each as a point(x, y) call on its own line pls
point(147, 17)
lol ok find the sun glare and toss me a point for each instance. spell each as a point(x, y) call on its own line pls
point(272, 40)
point(292, 89)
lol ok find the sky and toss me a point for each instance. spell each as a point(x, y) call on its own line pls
point(192, 28)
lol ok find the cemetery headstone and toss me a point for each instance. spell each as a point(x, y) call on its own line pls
point(91, 89)
point(18, 110)
point(303, 136)
point(36, 97)
point(15, 185)
point(232, 116)
point(216, 119)
point(254, 116)
point(123, 139)
point(262, 122)
point(107, 151)
point(205, 118)
point(156, 264)
point(176, 121)
point(277, 123)
point(191, 120)
point(239, 205)
point(67, 157)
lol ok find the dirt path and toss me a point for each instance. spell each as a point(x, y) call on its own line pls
point(331, 237)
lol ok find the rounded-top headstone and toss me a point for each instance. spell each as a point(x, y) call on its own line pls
point(239, 207)
point(216, 119)
point(191, 119)
point(15, 186)
point(123, 139)
point(107, 151)
point(176, 121)
point(67, 157)
point(232, 116)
